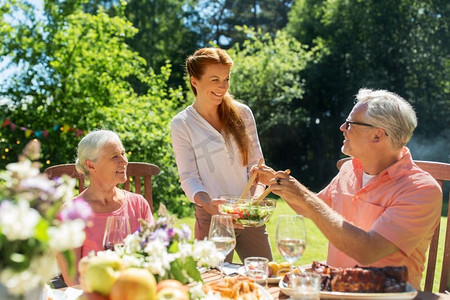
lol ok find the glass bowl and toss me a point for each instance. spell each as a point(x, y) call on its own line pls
point(251, 214)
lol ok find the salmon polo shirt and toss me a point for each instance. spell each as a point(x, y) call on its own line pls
point(402, 204)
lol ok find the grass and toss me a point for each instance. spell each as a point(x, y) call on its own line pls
point(317, 244)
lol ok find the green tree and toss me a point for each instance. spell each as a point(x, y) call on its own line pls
point(164, 32)
point(75, 75)
point(163, 35)
point(219, 20)
point(401, 46)
point(266, 76)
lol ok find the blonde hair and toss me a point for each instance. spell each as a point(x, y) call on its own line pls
point(232, 121)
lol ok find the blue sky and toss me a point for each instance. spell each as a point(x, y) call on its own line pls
point(5, 74)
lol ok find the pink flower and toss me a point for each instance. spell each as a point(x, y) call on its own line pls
point(76, 209)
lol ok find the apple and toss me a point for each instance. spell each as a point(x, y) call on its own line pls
point(134, 284)
point(92, 296)
point(171, 289)
point(101, 273)
point(170, 283)
point(172, 294)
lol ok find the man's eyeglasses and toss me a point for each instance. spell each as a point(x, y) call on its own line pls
point(347, 124)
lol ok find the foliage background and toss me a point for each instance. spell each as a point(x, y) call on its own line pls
point(87, 64)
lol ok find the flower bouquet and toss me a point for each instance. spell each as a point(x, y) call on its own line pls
point(165, 251)
point(34, 225)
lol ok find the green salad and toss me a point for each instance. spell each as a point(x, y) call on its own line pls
point(250, 215)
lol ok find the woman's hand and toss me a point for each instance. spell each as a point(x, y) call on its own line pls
point(263, 174)
point(217, 202)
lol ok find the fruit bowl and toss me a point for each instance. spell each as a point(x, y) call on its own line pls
point(251, 213)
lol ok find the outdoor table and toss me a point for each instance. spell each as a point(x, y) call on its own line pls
point(213, 275)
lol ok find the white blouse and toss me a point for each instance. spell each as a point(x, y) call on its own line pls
point(206, 161)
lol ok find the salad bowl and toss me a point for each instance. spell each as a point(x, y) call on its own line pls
point(252, 213)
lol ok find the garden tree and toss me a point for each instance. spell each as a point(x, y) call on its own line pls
point(163, 32)
point(163, 35)
point(217, 19)
point(266, 76)
point(75, 67)
point(401, 46)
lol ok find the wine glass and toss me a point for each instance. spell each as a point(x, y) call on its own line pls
point(221, 232)
point(291, 238)
point(116, 229)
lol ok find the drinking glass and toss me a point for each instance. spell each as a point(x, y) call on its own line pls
point(306, 286)
point(221, 232)
point(257, 268)
point(291, 238)
point(116, 229)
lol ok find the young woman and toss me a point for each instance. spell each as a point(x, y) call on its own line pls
point(101, 158)
point(216, 143)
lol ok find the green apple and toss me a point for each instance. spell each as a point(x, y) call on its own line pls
point(101, 273)
point(135, 284)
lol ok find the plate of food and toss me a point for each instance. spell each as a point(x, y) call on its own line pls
point(378, 283)
point(409, 293)
point(237, 287)
point(276, 272)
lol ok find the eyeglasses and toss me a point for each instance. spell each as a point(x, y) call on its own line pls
point(347, 125)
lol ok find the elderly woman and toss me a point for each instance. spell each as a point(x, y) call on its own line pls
point(101, 158)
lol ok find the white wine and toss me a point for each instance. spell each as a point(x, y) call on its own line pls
point(224, 244)
point(291, 249)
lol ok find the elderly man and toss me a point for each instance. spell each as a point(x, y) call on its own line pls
point(381, 209)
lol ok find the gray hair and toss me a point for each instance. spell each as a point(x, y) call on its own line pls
point(391, 112)
point(89, 148)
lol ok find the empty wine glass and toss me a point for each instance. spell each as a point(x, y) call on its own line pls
point(116, 229)
point(291, 238)
point(221, 232)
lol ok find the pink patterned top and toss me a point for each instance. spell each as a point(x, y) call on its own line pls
point(135, 207)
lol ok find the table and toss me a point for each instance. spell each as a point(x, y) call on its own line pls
point(214, 275)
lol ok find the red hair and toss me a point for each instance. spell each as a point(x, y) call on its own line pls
point(232, 122)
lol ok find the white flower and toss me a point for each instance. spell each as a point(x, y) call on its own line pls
point(31, 225)
point(132, 261)
point(23, 169)
point(68, 235)
point(18, 222)
point(132, 243)
point(196, 292)
point(45, 267)
point(65, 191)
point(19, 283)
point(185, 250)
point(206, 254)
point(158, 260)
point(108, 253)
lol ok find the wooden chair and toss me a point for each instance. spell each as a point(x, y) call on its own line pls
point(440, 172)
point(135, 171)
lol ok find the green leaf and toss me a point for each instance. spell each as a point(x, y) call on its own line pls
point(191, 269)
point(69, 256)
point(176, 271)
point(40, 231)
